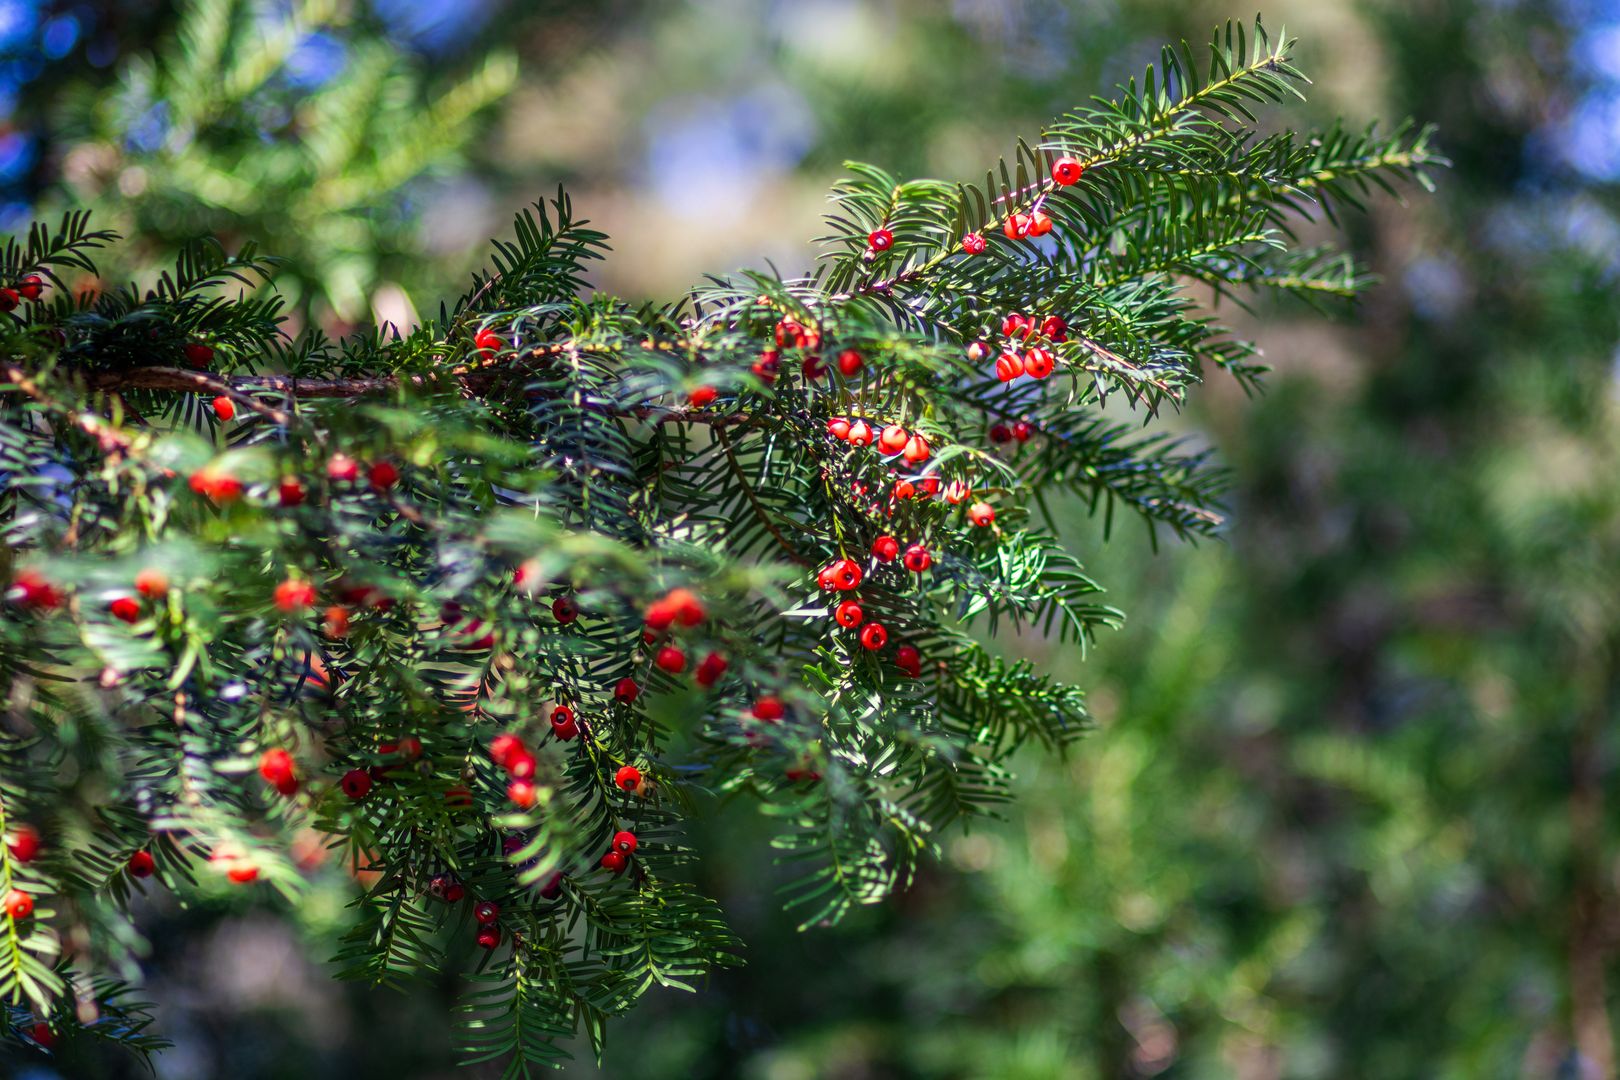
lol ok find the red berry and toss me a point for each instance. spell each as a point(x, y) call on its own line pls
point(844, 574)
point(766, 366)
point(702, 397)
point(291, 491)
point(849, 363)
point(624, 842)
point(904, 489)
point(1055, 328)
point(489, 936)
point(342, 468)
point(1022, 431)
point(885, 549)
point(789, 334)
point(709, 670)
point(626, 691)
point(565, 609)
point(126, 608)
point(893, 439)
point(1038, 363)
point(31, 286)
point(917, 450)
point(956, 492)
point(768, 709)
point(978, 352)
point(848, 613)
point(276, 766)
point(221, 487)
point(1009, 365)
point(19, 905)
point(521, 792)
point(487, 911)
point(1067, 170)
point(812, 367)
point(671, 659)
point(860, 433)
point(224, 408)
point(410, 748)
point(24, 844)
point(488, 343)
point(973, 244)
point(241, 873)
point(294, 595)
point(382, 476)
point(929, 485)
point(1000, 433)
point(628, 778)
point(838, 427)
point(982, 514)
point(198, 355)
point(908, 660)
point(1039, 224)
point(874, 637)
point(356, 783)
point(454, 891)
point(1016, 226)
point(152, 584)
point(689, 610)
point(1017, 326)
point(521, 765)
point(880, 239)
point(337, 621)
point(42, 1034)
point(141, 864)
point(917, 559)
point(613, 862)
point(561, 717)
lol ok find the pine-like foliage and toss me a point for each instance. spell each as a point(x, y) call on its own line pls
point(617, 533)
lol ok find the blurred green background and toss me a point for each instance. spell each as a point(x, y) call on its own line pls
point(1346, 813)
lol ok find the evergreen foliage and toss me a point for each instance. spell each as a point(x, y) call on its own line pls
point(446, 498)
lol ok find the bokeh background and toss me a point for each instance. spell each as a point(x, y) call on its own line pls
point(1347, 809)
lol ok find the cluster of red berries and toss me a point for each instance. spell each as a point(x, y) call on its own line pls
point(679, 608)
point(618, 854)
point(510, 753)
point(1037, 361)
point(25, 846)
point(32, 591)
point(28, 287)
point(1019, 431)
point(846, 575)
point(276, 766)
point(488, 343)
point(892, 439)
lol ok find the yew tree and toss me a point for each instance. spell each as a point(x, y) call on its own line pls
point(483, 611)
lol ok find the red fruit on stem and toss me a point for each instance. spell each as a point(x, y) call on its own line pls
point(521, 765)
point(1016, 226)
point(489, 936)
point(24, 844)
point(126, 608)
point(689, 610)
point(908, 660)
point(291, 491)
point(486, 911)
point(1055, 328)
point(702, 397)
point(978, 352)
point(276, 766)
point(844, 574)
point(198, 355)
point(337, 621)
point(874, 637)
point(42, 1034)
point(342, 468)
point(812, 367)
point(1039, 224)
point(709, 670)
point(141, 864)
point(838, 427)
point(152, 584)
point(1038, 363)
point(626, 691)
point(981, 514)
point(917, 559)
point(488, 343)
point(31, 286)
point(766, 366)
point(769, 709)
point(18, 904)
point(1009, 365)
point(849, 363)
point(613, 862)
point(880, 239)
point(356, 783)
point(1017, 326)
point(1000, 433)
point(624, 842)
point(917, 450)
point(628, 778)
point(848, 613)
point(224, 408)
point(1022, 431)
point(904, 489)
point(860, 433)
point(294, 595)
point(956, 492)
point(893, 439)
point(242, 873)
point(382, 476)
point(521, 793)
point(671, 659)
point(565, 609)
point(885, 549)
point(1067, 170)
point(973, 244)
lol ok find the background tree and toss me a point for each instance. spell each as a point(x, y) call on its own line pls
point(621, 489)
